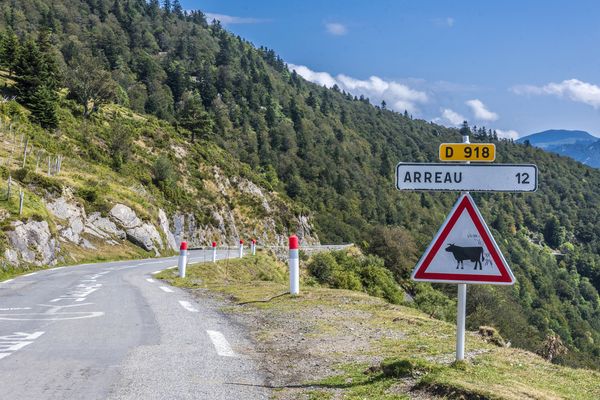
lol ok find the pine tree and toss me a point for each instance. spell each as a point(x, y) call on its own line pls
point(43, 107)
point(9, 51)
point(37, 81)
point(178, 9)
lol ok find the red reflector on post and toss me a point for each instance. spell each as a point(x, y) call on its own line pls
point(214, 244)
point(293, 242)
point(241, 241)
point(253, 241)
point(183, 246)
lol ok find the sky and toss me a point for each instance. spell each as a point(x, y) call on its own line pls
point(519, 67)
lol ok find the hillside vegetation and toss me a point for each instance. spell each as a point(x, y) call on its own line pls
point(331, 154)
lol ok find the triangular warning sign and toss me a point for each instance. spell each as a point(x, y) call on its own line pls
point(464, 251)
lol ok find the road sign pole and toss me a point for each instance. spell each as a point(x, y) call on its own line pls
point(461, 304)
point(460, 321)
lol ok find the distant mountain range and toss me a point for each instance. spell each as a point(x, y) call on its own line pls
point(579, 145)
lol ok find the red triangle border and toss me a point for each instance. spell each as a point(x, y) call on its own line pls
point(464, 202)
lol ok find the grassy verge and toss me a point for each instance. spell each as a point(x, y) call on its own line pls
point(330, 343)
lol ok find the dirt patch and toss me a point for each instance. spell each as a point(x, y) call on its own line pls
point(299, 346)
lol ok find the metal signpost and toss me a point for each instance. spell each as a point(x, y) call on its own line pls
point(464, 251)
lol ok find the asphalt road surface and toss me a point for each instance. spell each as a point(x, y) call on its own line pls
point(112, 331)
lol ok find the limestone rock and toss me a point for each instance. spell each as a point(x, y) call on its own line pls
point(73, 214)
point(125, 216)
point(32, 243)
point(146, 236)
point(103, 227)
point(164, 225)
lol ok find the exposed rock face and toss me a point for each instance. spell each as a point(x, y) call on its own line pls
point(242, 210)
point(122, 223)
point(32, 243)
point(103, 227)
point(73, 215)
point(142, 234)
point(164, 225)
point(125, 216)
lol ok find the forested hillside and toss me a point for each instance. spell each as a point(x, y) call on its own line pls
point(330, 152)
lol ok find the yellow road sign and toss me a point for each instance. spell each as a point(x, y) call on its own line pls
point(485, 152)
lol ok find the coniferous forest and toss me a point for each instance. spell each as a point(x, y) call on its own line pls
point(330, 152)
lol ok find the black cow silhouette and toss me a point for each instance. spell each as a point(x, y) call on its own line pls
point(473, 254)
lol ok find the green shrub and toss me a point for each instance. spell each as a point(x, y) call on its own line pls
point(343, 270)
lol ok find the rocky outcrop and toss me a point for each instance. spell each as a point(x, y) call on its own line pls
point(31, 243)
point(122, 223)
point(140, 233)
point(240, 210)
point(164, 226)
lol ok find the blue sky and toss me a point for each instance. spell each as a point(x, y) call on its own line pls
point(516, 66)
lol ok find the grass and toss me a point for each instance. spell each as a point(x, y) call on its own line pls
point(407, 351)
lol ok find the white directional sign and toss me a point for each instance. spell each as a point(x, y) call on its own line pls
point(464, 251)
point(467, 177)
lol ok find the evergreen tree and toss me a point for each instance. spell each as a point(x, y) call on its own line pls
point(37, 79)
point(178, 9)
point(9, 51)
point(43, 104)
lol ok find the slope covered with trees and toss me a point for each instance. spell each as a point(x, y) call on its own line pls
point(332, 153)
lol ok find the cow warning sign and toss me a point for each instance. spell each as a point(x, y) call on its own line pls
point(464, 251)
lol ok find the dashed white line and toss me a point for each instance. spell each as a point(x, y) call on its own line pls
point(150, 280)
point(30, 274)
point(221, 344)
point(166, 289)
point(156, 272)
point(187, 306)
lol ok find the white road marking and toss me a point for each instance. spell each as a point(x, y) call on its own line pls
point(173, 267)
point(15, 308)
point(166, 289)
point(156, 272)
point(55, 269)
point(8, 280)
point(187, 306)
point(81, 299)
point(150, 280)
point(221, 344)
point(30, 274)
point(16, 341)
point(153, 262)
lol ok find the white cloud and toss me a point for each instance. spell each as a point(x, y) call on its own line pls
point(573, 89)
point(337, 29)
point(230, 19)
point(447, 22)
point(507, 134)
point(398, 96)
point(452, 116)
point(480, 110)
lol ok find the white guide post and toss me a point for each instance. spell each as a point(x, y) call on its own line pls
point(241, 248)
point(182, 262)
point(461, 305)
point(214, 247)
point(253, 247)
point(294, 266)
